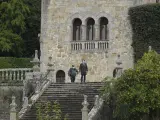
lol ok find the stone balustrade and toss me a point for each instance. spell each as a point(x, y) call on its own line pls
point(14, 73)
point(89, 45)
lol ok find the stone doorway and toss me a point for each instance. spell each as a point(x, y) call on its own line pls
point(60, 76)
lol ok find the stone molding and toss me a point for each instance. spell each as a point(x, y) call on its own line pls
point(85, 15)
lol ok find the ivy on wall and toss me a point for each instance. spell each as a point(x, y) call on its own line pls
point(145, 22)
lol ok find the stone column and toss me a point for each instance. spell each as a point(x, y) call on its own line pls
point(85, 108)
point(84, 37)
point(97, 32)
point(13, 112)
point(119, 68)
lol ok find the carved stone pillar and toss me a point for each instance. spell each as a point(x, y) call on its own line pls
point(96, 103)
point(38, 86)
point(119, 68)
point(85, 108)
point(149, 48)
point(37, 81)
point(25, 103)
point(36, 62)
point(13, 112)
point(97, 32)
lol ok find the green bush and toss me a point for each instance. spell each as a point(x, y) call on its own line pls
point(12, 62)
point(135, 95)
point(145, 22)
point(49, 111)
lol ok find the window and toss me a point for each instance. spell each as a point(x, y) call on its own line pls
point(90, 29)
point(103, 28)
point(77, 23)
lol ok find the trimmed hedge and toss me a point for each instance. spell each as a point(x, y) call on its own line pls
point(12, 62)
point(145, 22)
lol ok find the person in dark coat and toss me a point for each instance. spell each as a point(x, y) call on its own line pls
point(72, 73)
point(83, 68)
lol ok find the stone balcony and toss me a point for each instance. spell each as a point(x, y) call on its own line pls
point(90, 45)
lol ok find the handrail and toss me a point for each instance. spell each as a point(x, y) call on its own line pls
point(73, 41)
point(93, 114)
point(14, 69)
point(44, 83)
point(98, 105)
point(90, 45)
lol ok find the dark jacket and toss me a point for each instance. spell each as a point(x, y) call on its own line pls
point(72, 72)
point(83, 68)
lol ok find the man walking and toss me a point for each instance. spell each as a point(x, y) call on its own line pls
point(72, 73)
point(83, 69)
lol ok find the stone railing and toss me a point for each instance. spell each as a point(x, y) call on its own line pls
point(26, 105)
point(14, 73)
point(89, 45)
point(94, 113)
point(39, 81)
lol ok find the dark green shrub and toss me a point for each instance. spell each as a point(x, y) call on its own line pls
point(145, 21)
point(12, 62)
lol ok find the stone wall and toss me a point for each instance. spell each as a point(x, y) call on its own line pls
point(56, 35)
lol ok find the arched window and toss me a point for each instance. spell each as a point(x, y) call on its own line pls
point(77, 29)
point(103, 28)
point(90, 29)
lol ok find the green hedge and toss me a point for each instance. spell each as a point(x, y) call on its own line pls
point(12, 62)
point(145, 21)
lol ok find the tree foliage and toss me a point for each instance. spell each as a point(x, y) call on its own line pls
point(30, 36)
point(20, 25)
point(136, 92)
point(12, 22)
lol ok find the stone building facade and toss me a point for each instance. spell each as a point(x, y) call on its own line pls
point(94, 30)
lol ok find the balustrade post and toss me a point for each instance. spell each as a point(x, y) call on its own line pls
point(6, 77)
point(13, 112)
point(18, 75)
point(14, 75)
point(22, 74)
point(85, 108)
point(3, 75)
point(10, 74)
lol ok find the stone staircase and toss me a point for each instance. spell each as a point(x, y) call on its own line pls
point(70, 97)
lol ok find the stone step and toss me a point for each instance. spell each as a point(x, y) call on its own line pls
point(70, 97)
